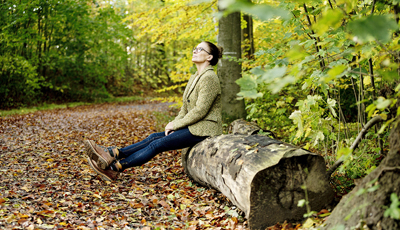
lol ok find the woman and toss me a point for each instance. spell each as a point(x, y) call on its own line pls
point(198, 118)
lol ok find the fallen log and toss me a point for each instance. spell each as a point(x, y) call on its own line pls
point(263, 177)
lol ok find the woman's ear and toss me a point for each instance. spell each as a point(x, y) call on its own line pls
point(209, 58)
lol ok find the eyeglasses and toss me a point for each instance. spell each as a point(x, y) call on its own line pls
point(199, 49)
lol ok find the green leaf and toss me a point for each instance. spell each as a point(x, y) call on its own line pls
point(373, 27)
point(331, 104)
point(253, 94)
point(297, 119)
point(196, 2)
point(263, 11)
point(296, 53)
point(247, 83)
point(335, 72)
point(301, 203)
point(308, 43)
point(361, 191)
point(330, 19)
point(257, 71)
point(318, 136)
point(388, 74)
point(278, 84)
point(373, 189)
point(344, 152)
point(383, 103)
point(276, 72)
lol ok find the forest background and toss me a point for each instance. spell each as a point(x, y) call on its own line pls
point(320, 69)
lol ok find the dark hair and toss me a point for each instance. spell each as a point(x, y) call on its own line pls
point(216, 52)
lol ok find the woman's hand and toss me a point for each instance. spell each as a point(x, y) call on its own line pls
point(169, 128)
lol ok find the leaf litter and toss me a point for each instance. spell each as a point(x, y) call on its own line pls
point(46, 183)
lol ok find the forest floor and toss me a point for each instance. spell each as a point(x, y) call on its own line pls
point(46, 182)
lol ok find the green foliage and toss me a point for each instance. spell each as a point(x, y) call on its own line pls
point(175, 27)
point(77, 51)
point(271, 111)
point(262, 11)
point(373, 27)
point(394, 210)
point(340, 61)
point(19, 81)
point(313, 119)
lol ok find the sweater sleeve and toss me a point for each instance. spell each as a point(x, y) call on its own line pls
point(208, 91)
point(181, 113)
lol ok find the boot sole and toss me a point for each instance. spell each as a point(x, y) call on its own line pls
point(102, 175)
point(91, 152)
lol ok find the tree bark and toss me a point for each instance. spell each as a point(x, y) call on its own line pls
point(365, 206)
point(229, 71)
point(261, 176)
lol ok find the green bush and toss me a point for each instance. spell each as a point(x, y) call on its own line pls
point(19, 82)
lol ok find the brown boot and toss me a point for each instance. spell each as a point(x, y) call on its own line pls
point(102, 156)
point(106, 174)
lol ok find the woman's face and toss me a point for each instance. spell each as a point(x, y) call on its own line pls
point(201, 53)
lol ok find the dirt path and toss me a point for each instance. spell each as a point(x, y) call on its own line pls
point(46, 183)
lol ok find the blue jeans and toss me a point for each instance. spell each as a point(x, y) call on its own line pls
point(142, 152)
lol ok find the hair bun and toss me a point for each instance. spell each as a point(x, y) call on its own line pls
point(220, 51)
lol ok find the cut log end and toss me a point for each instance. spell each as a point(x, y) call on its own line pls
point(276, 191)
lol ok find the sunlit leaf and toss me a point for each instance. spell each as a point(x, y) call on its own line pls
point(335, 72)
point(296, 53)
point(253, 94)
point(297, 119)
point(331, 104)
point(343, 152)
point(301, 203)
point(318, 137)
point(330, 19)
point(382, 103)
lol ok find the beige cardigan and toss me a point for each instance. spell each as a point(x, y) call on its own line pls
point(201, 109)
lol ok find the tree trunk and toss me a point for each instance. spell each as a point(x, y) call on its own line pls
point(247, 37)
point(365, 205)
point(229, 71)
point(261, 176)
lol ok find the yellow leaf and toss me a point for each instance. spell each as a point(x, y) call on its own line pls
point(309, 223)
point(63, 224)
point(367, 80)
point(384, 116)
point(307, 146)
point(96, 195)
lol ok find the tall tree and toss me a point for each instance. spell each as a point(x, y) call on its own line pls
point(229, 68)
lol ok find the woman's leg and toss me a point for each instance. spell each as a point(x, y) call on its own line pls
point(177, 140)
point(131, 149)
